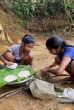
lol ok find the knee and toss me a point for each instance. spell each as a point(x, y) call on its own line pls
point(8, 56)
point(28, 60)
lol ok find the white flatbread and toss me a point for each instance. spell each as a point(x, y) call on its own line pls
point(24, 73)
point(10, 78)
point(12, 66)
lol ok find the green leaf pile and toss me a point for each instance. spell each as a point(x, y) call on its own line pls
point(6, 71)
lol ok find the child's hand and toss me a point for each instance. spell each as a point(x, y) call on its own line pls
point(44, 72)
point(45, 69)
point(9, 63)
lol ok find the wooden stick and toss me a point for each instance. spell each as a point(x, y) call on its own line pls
point(12, 92)
point(9, 92)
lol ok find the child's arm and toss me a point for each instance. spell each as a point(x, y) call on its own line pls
point(2, 59)
point(52, 65)
point(48, 67)
point(5, 61)
point(64, 63)
point(55, 63)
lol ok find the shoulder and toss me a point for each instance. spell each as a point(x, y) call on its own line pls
point(68, 49)
point(14, 47)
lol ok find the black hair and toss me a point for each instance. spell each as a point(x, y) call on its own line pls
point(55, 42)
point(28, 39)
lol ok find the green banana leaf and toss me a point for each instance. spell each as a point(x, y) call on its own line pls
point(6, 71)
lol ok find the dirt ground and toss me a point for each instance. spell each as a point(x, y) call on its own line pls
point(42, 58)
point(24, 101)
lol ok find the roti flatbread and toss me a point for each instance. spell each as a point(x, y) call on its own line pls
point(24, 73)
point(10, 78)
point(12, 66)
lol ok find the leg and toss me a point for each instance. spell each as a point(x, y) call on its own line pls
point(69, 69)
point(72, 69)
point(8, 56)
point(27, 60)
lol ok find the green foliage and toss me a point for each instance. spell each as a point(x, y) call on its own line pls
point(22, 8)
point(48, 7)
point(5, 72)
point(26, 9)
point(69, 8)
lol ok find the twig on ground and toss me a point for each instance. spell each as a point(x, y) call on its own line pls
point(12, 92)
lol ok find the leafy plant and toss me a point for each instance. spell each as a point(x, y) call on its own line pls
point(69, 6)
point(26, 9)
point(22, 9)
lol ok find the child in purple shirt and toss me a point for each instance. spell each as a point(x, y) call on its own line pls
point(64, 56)
point(20, 54)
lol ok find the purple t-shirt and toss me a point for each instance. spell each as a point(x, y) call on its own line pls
point(68, 51)
point(14, 49)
